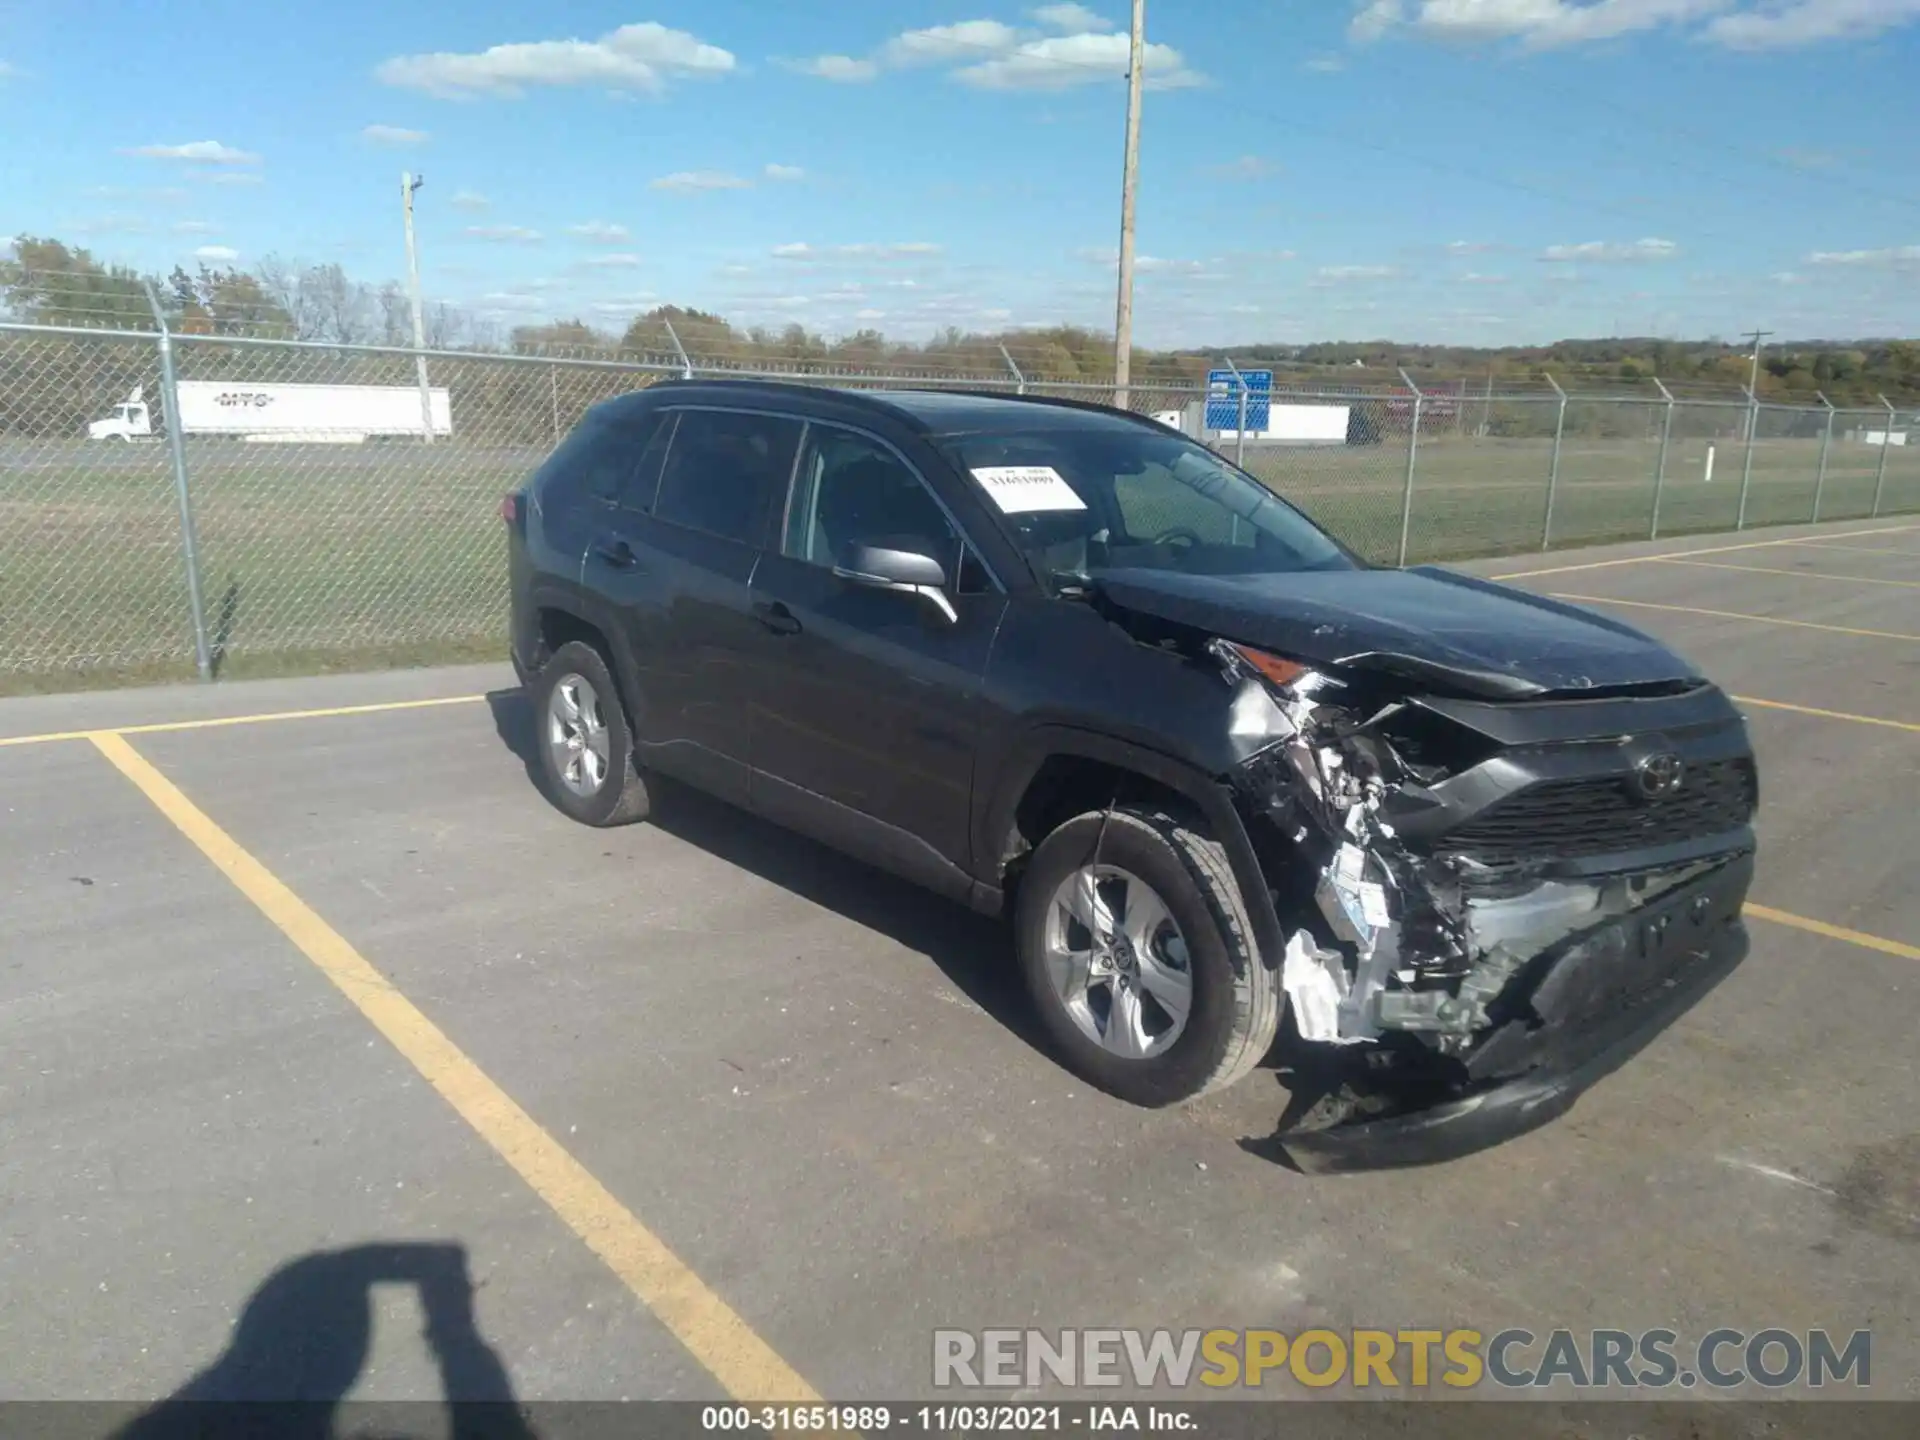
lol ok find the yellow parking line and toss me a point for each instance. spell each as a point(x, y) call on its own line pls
point(1826, 714)
point(1775, 570)
point(219, 720)
point(718, 1338)
point(1833, 932)
point(1680, 554)
point(1858, 549)
point(1736, 615)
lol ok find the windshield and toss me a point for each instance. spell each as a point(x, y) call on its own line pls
point(1105, 497)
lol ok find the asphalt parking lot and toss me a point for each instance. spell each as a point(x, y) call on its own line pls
point(307, 1014)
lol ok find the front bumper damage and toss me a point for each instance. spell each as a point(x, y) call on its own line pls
point(1483, 917)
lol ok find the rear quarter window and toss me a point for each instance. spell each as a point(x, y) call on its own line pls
point(598, 462)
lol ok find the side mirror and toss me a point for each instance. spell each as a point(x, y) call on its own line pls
point(905, 571)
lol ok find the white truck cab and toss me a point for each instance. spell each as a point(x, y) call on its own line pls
point(129, 418)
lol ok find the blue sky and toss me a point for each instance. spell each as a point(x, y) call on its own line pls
point(1477, 171)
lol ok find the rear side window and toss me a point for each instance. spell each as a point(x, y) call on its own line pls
point(724, 470)
point(606, 460)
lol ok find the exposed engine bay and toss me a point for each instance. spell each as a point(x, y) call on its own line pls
point(1429, 879)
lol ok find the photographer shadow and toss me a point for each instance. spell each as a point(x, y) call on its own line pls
point(304, 1338)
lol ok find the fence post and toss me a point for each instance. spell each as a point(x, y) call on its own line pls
point(1826, 444)
point(1413, 456)
point(1240, 426)
point(1746, 465)
point(553, 396)
point(1886, 444)
point(1553, 472)
point(176, 447)
point(1660, 468)
point(1019, 380)
point(686, 365)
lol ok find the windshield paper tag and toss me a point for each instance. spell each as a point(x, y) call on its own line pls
point(1025, 489)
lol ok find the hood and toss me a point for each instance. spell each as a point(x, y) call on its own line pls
point(1432, 626)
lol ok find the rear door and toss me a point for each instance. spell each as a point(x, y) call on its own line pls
point(679, 558)
point(865, 727)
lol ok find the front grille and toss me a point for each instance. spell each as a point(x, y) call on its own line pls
point(1570, 819)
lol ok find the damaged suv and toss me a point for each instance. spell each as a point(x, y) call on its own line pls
point(1458, 849)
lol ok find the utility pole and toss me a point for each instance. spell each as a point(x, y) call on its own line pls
point(409, 183)
point(1123, 310)
point(1753, 384)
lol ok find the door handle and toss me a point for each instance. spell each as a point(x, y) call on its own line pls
point(617, 553)
point(776, 617)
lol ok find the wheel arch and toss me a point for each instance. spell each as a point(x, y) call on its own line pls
point(559, 620)
point(1056, 772)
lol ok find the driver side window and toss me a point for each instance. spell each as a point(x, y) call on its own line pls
point(851, 490)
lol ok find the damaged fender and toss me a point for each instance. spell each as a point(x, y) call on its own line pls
point(1457, 962)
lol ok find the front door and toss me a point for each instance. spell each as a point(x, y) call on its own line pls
point(864, 724)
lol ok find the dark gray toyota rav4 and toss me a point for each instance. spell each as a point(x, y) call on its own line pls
point(1057, 661)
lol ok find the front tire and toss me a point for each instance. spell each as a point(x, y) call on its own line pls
point(1139, 954)
point(584, 744)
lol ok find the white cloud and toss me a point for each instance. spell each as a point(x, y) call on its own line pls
point(113, 225)
point(193, 227)
point(202, 152)
point(469, 200)
point(945, 44)
point(1898, 257)
point(691, 180)
point(869, 314)
point(1468, 247)
point(1474, 279)
point(634, 57)
point(1543, 24)
point(1071, 18)
point(1341, 274)
point(1786, 23)
point(1788, 277)
point(1326, 64)
point(509, 234)
point(216, 253)
point(512, 300)
point(1247, 167)
point(600, 232)
point(623, 307)
point(844, 69)
point(1064, 61)
point(1374, 18)
point(1612, 251)
point(618, 260)
point(784, 172)
point(393, 135)
point(897, 250)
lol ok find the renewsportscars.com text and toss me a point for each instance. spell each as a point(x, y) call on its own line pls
point(1401, 1359)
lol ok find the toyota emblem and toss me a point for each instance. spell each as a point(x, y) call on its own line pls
point(1659, 777)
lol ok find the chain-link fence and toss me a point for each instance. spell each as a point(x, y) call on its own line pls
point(150, 518)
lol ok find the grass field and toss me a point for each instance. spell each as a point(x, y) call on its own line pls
point(315, 558)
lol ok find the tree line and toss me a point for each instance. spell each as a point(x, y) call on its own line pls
point(47, 281)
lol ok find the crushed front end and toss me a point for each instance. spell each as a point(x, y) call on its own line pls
point(1489, 902)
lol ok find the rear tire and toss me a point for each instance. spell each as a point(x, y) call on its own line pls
point(583, 740)
point(1165, 867)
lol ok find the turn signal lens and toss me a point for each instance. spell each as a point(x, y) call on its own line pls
point(1275, 669)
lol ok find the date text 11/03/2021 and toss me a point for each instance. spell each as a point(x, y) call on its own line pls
point(946, 1419)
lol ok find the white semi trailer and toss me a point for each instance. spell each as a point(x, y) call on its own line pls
point(298, 414)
